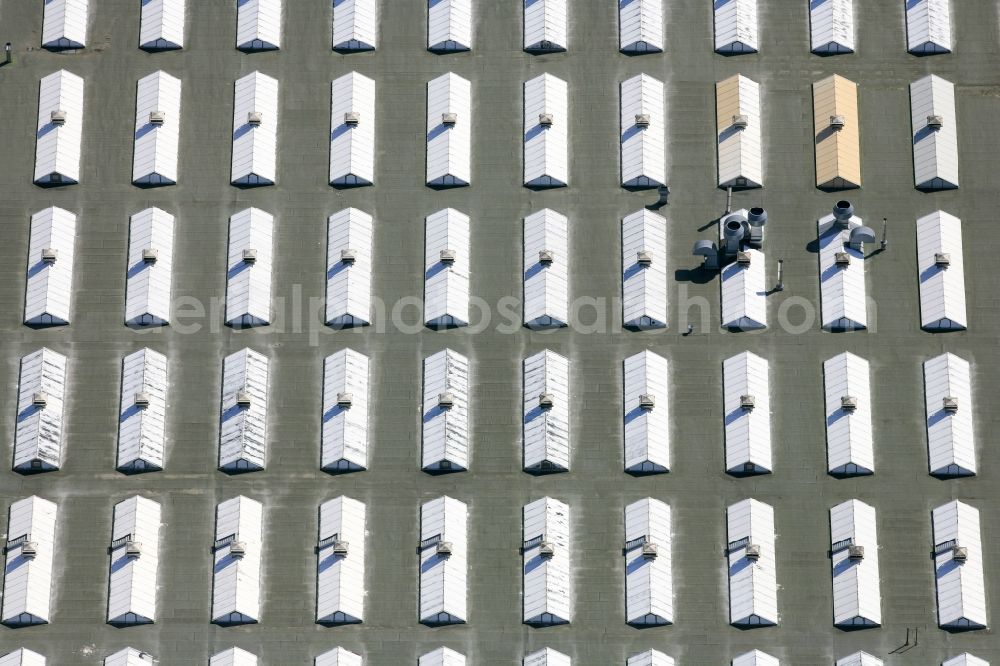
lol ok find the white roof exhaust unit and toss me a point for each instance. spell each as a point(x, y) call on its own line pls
point(546, 562)
point(546, 413)
point(31, 540)
point(646, 413)
point(443, 562)
point(340, 562)
point(41, 395)
point(237, 548)
point(243, 427)
point(445, 412)
point(134, 561)
point(753, 587)
point(142, 412)
point(546, 270)
point(149, 274)
point(446, 269)
point(59, 132)
point(49, 288)
point(344, 445)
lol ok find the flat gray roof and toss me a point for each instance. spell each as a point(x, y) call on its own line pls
point(495, 488)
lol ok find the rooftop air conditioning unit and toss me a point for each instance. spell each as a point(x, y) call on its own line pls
point(133, 550)
point(960, 554)
point(848, 403)
point(49, 255)
point(448, 257)
point(546, 257)
point(352, 118)
point(649, 551)
point(546, 550)
point(842, 259)
point(855, 553)
point(753, 552)
point(156, 118)
point(243, 398)
point(743, 258)
point(449, 119)
point(250, 256)
point(40, 399)
point(141, 399)
point(647, 401)
point(740, 121)
point(643, 258)
point(837, 122)
point(443, 548)
point(642, 120)
point(446, 400)
point(255, 118)
point(545, 119)
point(950, 404)
point(348, 256)
point(29, 549)
point(149, 255)
point(747, 402)
point(942, 259)
point(58, 117)
point(935, 122)
point(345, 399)
point(545, 401)
point(340, 548)
point(237, 549)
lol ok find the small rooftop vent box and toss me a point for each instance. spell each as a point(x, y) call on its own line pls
point(255, 118)
point(747, 402)
point(249, 256)
point(740, 121)
point(49, 255)
point(546, 257)
point(348, 256)
point(449, 119)
point(545, 401)
point(149, 255)
point(352, 118)
point(142, 399)
point(743, 258)
point(29, 549)
point(842, 259)
point(642, 120)
point(935, 122)
point(340, 548)
point(753, 552)
point(58, 117)
point(942, 259)
point(649, 551)
point(448, 257)
point(855, 553)
point(647, 401)
point(133, 550)
point(849, 403)
point(545, 119)
point(837, 122)
point(345, 399)
point(546, 550)
point(156, 118)
point(446, 400)
point(950, 404)
point(443, 548)
point(644, 259)
point(40, 399)
point(960, 554)
point(237, 549)
point(243, 398)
